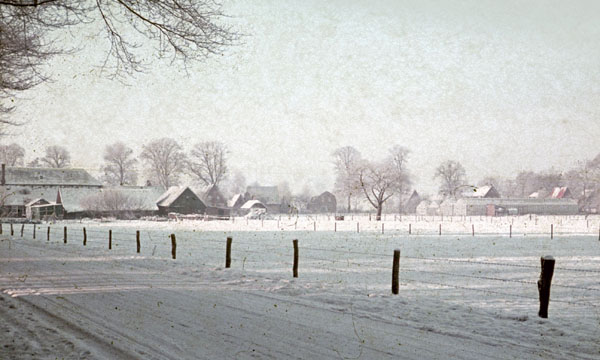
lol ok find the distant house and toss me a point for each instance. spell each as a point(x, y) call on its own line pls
point(236, 201)
point(539, 194)
point(324, 203)
point(481, 192)
point(410, 205)
point(268, 195)
point(433, 208)
point(181, 200)
point(14, 199)
point(211, 196)
point(19, 186)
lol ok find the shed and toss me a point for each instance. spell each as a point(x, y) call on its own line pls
point(487, 191)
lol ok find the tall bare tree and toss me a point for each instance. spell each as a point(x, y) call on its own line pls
point(378, 181)
point(398, 159)
point(119, 164)
point(56, 157)
point(346, 161)
point(165, 161)
point(452, 177)
point(208, 162)
point(12, 155)
point(180, 30)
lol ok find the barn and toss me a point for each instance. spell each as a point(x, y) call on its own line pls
point(181, 200)
point(268, 195)
point(324, 203)
point(410, 205)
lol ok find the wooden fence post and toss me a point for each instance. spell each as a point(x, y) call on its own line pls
point(0, 228)
point(544, 284)
point(395, 272)
point(472, 229)
point(34, 230)
point(137, 241)
point(109, 239)
point(551, 231)
point(22, 229)
point(510, 231)
point(228, 253)
point(335, 227)
point(173, 247)
point(295, 267)
point(357, 227)
point(440, 230)
point(12, 231)
point(65, 235)
point(314, 226)
point(409, 229)
point(84, 237)
point(48, 234)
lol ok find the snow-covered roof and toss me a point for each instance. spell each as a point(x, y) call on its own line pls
point(234, 200)
point(22, 195)
point(560, 193)
point(169, 196)
point(49, 177)
point(253, 204)
point(481, 192)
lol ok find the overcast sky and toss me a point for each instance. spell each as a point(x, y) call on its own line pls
point(500, 86)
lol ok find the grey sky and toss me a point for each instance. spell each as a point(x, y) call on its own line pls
point(500, 86)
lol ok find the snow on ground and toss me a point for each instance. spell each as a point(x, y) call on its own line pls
point(460, 296)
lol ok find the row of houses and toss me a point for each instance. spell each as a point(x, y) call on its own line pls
point(72, 193)
point(486, 201)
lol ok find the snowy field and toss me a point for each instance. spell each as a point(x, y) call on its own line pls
point(461, 296)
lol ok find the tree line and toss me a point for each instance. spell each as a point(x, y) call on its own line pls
point(164, 162)
point(360, 180)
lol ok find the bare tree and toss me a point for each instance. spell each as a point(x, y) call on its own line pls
point(165, 160)
point(180, 30)
point(346, 161)
point(398, 159)
point(119, 168)
point(208, 162)
point(56, 157)
point(378, 181)
point(452, 176)
point(12, 155)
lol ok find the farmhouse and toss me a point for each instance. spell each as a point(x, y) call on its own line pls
point(14, 199)
point(181, 200)
point(324, 203)
point(421, 209)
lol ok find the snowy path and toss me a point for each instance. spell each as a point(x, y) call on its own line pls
point(68, 301)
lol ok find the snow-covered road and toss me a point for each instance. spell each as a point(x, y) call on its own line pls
point(66, 300)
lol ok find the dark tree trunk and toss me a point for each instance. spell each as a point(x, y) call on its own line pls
point(379, 208)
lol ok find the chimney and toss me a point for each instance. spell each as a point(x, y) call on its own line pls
point(3, 180)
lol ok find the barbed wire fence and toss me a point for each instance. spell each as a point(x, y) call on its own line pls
point(335, 266)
